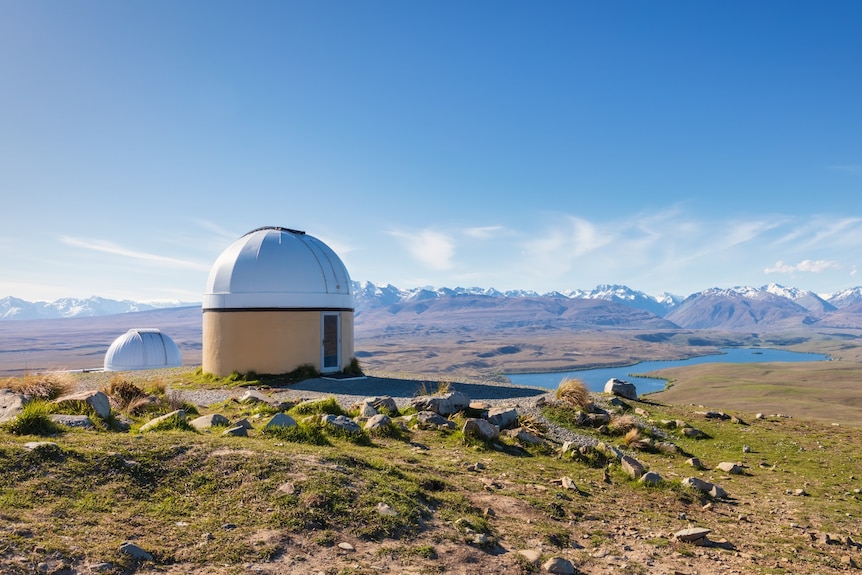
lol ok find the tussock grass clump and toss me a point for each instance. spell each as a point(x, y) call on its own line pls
point(39, 385)
point(123, 393)
point(34, 419)
point(443, 387)
point(574, 393)
point(307, 434)
point(624, 424)
point(328, 405)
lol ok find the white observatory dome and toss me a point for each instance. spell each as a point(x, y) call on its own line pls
point(142, 349)
point(278, 268)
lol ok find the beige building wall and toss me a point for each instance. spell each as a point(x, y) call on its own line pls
point(272, 341)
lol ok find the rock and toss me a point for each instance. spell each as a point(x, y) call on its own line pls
point(135, 552)
point(746, 449)
point(254, 396)
point(609, 451)
point(695, 462)
point(481, 429)
point(668, 447)
point(641, 411)
point(383, 404)
point(704, 487)
point(521, 435)
point(621, 388)
point(729, 467)
point(178, 414)
point(693, 433)
point(341, 423)
point(559, 565)
point(445, 404)
point(367, 410)
point(759, 416)
point(207, 421)
point(713, 414)
point(566, 482)
point(97, 400)
point(798, 492)
point(101, 567)
point(692, 534)
point(386, 510)
point(480, 406)
point(345, 546)
point(37, 445)
point(379, 421)
point(236, 431)
point(650, 478)
point(244, 423)
point(849, 562)
point(718, 492)
point(279, 420)
point(428, 419)
point(632, 466)
point(11, 404)
point(503, 417)
point(76, 421)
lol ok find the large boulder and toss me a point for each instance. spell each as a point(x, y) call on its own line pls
point(97, 400)
point(277, 420)
point(11, 404)
point(443, 404)
point(503, 417)
point(481, 429)
point(622, 389)
point(207, 421)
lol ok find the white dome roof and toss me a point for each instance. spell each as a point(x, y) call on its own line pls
point(142, 349)
point(278, 268)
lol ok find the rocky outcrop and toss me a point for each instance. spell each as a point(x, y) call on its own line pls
point(96, 400)
point(621, 388)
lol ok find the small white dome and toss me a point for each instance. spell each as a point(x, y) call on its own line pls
point(278, 268)
point(142, 349)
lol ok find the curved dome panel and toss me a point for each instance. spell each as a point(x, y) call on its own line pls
point(142, 349)
point(278, 268)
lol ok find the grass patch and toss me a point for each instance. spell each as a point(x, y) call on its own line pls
point(45, 386)
point(34, 419)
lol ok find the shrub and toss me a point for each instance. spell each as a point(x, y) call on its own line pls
point(34, 419)
point(39, 385)
point(354, 368)
point(123, 392)
point(574, 392)
point(624, 424)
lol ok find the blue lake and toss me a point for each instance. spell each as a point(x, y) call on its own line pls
point(595, 379)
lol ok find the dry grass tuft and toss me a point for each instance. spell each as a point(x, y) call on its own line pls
point(633, 438)
point(624, 424)
point(45, 386)
point(123, 393)
point(574, 393)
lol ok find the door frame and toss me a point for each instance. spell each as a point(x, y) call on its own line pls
point(323, 367)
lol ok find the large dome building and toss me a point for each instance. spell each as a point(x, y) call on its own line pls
point(277, 299)
point(142, 349)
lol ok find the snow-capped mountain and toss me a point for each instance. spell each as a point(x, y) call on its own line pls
point(12, 308)
point(846, 298)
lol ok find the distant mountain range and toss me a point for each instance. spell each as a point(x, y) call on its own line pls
point(739, 308)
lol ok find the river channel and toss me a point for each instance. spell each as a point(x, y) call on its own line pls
point(595, 379)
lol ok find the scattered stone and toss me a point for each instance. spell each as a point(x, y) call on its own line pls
point(345, 546)
point(566, 482)
point(377, 422)
point(382, 404)
point(445, 404)
point(759, 416)
point(696, 463)
point(609, 451)
point(481, 429)
point(559, 565)
point(75, 421)
point(668, 447)
point(95, 399)
point(244, 423)
point(254, 396)
point(341, 423)
point(705, 487)
point(797, 492)
point(641, 411)
point(385, 510)
point(431, 419)
point(746, 449)
point(367, 410)
point(692, 534)
point(729, 467)
point(523, 436)
point(36, 445)
point(503, 417)
point(229, 526)
point(135, 552)
point(713, 414)
point(208, 421)
point(693, 433)
point(178, 414)
point(632, 466)
point(280, 420)
point(650, 478)
point(101, 567)
point(236, 431)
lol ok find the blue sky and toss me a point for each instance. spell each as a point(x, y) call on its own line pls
point(668, 146)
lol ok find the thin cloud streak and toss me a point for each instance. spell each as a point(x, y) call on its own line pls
point(114, 249)
point(811, 266)
point(431, 248)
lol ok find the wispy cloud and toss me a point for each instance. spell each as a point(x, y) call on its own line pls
point(117, 250)
point(812, 266)
point(216, 229)
point(432, 248)
point(853, 168)
point(483, 232)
